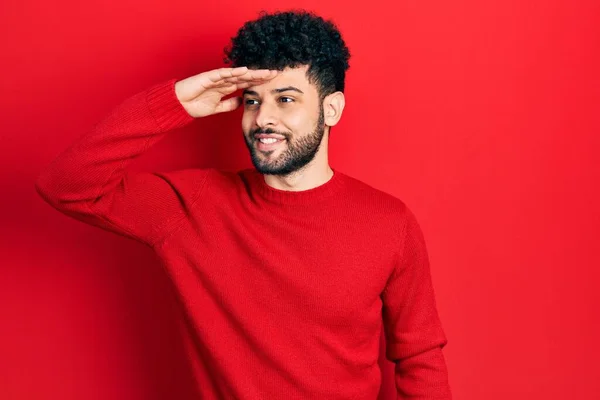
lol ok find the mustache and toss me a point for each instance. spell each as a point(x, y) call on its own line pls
point(267, 131)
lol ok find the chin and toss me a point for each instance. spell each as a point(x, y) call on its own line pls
point(268, 170)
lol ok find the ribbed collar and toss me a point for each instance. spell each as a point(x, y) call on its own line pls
point(257, 183)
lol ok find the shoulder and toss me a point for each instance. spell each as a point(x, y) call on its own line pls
point(385, 211)
point(375, 200)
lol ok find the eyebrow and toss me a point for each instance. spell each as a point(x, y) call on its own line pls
point(278, 90)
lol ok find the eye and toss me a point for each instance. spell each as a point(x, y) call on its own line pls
point(284, 98)
point(249, 102)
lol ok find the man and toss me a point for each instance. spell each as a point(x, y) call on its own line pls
point(286, 271)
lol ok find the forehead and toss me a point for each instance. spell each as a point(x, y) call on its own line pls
point(295, 77)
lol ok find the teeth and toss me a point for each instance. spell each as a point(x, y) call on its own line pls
point(268, 140)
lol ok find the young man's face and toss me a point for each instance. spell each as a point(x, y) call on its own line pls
point(283, 122)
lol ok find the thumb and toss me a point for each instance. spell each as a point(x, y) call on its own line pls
point(228, 104)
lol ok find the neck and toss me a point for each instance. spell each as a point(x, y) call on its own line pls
point(307, 178)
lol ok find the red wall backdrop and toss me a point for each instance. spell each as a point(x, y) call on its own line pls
point(483, 116)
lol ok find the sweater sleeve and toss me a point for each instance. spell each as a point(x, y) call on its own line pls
point(413, 331)
point(90, 180)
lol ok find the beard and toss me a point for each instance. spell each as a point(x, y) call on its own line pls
point(297, 154)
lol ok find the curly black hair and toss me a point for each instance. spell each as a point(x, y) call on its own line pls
point(291, 39)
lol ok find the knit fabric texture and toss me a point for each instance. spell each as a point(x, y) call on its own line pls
point(284, 293)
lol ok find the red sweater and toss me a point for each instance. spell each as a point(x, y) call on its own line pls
point(284, 293)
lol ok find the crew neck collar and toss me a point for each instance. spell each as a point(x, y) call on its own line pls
point(313, 195)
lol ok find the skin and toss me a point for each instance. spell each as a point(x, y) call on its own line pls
point(268, 108)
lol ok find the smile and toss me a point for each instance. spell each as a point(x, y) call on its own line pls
point(268, 144)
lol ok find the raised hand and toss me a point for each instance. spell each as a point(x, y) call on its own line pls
point(201, 95)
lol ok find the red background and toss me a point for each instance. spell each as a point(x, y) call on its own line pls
point(483, 116)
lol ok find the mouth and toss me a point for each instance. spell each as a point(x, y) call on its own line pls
point(269, 143)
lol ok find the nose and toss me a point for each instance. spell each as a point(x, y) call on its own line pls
point(266, 115)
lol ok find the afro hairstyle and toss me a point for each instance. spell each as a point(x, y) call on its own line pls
point(293, 39)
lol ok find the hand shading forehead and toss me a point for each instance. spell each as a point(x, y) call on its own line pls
point(275, 91)
point(292, 80)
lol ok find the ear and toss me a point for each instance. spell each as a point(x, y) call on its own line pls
point(333, 106)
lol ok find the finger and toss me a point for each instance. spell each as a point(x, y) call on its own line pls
point(241, 84)
point(231, 84)
point(238, 71)
point(245, 83)
point(218, 74)
point(249, 78)
point(221, 74)
point(228, 105)
point(215, 77)
point(259, 74)
point(226, 89)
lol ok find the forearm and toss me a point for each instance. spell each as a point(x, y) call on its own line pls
point(90, 180)
point(96, 163)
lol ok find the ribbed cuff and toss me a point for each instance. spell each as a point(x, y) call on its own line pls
point(165, 106)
